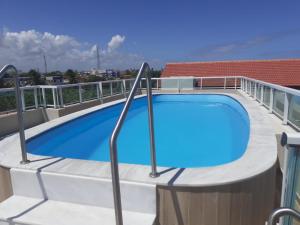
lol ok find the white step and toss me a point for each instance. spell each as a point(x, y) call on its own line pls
point(136, 197)
point(18, 210)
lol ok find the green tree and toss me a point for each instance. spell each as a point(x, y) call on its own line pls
point(93, 78)
point(155, 73)
point(71, 76)
point(35, 76)
point(54, 73)
point(2, 84)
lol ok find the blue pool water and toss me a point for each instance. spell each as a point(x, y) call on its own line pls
point(190, 131)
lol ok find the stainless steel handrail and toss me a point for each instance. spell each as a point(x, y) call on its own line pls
point(113, 140)
point(19, 110)
point(277, 213)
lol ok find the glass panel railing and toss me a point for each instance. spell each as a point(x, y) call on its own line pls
point(169, 84)
point(266, 97)
point(106, 89)
point(49, 97)
point(252, 89)
point(187, 84)
point(258, 92)
point(89, 92)
point(294, 111)
point(117, 87)
point(7, 101)
point(158, 84)
point(197, 83)
point(70, 95)
point(230, 83)
point(29, 99)
point(40, 97)
point(278, 102)
point(213, 83)
point(128, 85)
point(143, 83)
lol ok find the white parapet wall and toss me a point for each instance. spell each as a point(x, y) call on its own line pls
point(180, 83)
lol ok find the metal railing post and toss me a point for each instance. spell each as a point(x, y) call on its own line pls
point(178, 85)
point(249, 88)
point(123, 84)
point(255, 91)
point(241, 84)
point(224, 82)
point(54, 98)
point(201, 85)
point(80, 93)
point(115, 134)
point(23, 100)
point(98, 91)
point(276, 214)
point(101, 92)
point(36, 103)
point(61, 97)
point(111, 88)
point(286, 109)
point(57, 97)
point(44, 97)
point(261, 94)
point(235, 83)
point(19, 111)
point(271, 100)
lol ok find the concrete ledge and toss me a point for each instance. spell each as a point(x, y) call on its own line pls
point(9, 122)
point(5, 184)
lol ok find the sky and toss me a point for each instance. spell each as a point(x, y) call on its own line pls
point(129, 32)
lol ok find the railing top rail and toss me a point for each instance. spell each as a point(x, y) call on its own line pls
point(49, 86)
point(219, 77)
point(83, 84)
point(195, 77)
point(6, 89)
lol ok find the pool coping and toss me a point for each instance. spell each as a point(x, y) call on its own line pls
point(260, 155)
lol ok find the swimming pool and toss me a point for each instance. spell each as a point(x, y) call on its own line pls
point(190, 131)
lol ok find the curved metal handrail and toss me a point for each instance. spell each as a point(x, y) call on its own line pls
point(113, 140)
point(19, 110)
point(277, 213)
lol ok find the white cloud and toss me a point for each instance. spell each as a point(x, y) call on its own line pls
point(25, 49)
point(115, 42)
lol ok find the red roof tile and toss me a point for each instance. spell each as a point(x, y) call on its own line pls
point(283, 72)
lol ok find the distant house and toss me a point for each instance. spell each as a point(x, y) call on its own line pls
point(109, 73)
point(284, 72)
point(54, 80)
point(112, 74)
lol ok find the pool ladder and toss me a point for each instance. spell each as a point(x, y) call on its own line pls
point(277, 213)
point(144, 70)
point(3, 72)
